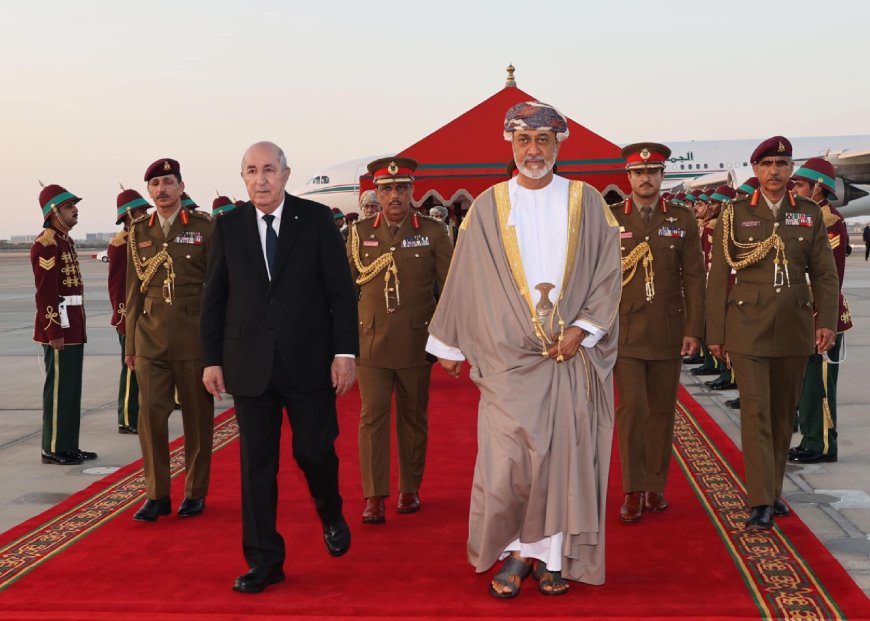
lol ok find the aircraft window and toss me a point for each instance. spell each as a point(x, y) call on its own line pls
point(690, 167)
point(324, 179)
point(721, 165)
point(744, 163)
point(705, 166)
point(682, 167)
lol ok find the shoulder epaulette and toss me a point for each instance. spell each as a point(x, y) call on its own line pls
point(46, 238)
point(430, 218)
point(120, 239)
point(364, 218)
point(201, 214)
point(679, 206)
point(618, 205)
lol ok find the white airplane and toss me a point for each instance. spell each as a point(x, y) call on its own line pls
point(692, 164)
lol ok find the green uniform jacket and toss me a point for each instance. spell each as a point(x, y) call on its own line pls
point(156, 329)
point(654, 330)
point(397, 340)
point(760, 318)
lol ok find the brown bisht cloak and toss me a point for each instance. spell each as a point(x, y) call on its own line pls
point(544, 428)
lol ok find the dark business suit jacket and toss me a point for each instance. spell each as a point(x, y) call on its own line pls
point(308, 311)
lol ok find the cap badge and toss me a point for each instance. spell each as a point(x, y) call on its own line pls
point(392, 168)
point(167, 166)
point(780, 148)
point(644, 154)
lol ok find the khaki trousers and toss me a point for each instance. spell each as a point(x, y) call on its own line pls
point(647, 392)
point(769, 392)
point(157, 382)
point(376, 387)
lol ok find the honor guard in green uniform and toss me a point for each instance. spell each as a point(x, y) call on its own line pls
point(817, 408)
point(60, 326)
point(661, 319)
point(130, 205)
point(778, 245)
point(397, 257)
point(165, 276)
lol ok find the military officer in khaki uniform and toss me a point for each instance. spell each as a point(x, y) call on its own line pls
point(396, 257)
point(661, 319)
point(59, 326)
point(165, 275)
point(130, 206)
point(765, 323)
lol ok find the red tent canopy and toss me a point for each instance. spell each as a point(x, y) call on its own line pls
point(469, 154)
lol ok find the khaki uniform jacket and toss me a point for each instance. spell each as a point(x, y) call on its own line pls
point(654, 330)
point(397, 340)
point(156, 329)
point(756, 317)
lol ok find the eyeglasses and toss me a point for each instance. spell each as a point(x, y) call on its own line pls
point(777, 163)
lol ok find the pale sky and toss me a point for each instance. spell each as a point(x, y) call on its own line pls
point(92, 91)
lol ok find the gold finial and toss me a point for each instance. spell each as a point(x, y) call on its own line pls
point(41, 184)
point(510, 77)
point(122, 186)
point(217, 193)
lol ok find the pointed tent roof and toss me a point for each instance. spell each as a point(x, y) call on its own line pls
point(469, 154)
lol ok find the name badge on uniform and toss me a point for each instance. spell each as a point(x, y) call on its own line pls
point(626, 235)
point(667, 231)
point(189, 237)
point(415, 241)
point(370, 242)
point(144, 244)
point(798, 219)
point(750, 223)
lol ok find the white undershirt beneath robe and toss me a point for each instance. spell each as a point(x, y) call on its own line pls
point(541, 221)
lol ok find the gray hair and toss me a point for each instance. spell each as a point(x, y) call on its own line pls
point(439, 209)
point(282, 158)
point(367, 197)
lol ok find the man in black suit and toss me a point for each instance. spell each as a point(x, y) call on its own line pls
point(279, 330)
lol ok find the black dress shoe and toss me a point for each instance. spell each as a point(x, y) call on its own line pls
point(336, 536)
point(84, 455)
point(811, 457)
point(734, 404)
point(63, 458)
point(257, 579)
point(760, 518)
point(127, 429)
point(191, 507)
point(780, 509)
point(705, 371)
point(795, 450)
point(153, 509)
point(721, 385)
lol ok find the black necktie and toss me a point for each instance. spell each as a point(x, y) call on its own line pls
point(271, 243)
point(646, 212)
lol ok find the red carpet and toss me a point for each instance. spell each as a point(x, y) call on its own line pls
point(86, 559)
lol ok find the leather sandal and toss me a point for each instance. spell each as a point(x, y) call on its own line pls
point(549, 582)
point(511, 575)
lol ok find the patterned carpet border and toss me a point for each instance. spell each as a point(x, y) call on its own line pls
point(52, 537)
point(781, 584)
